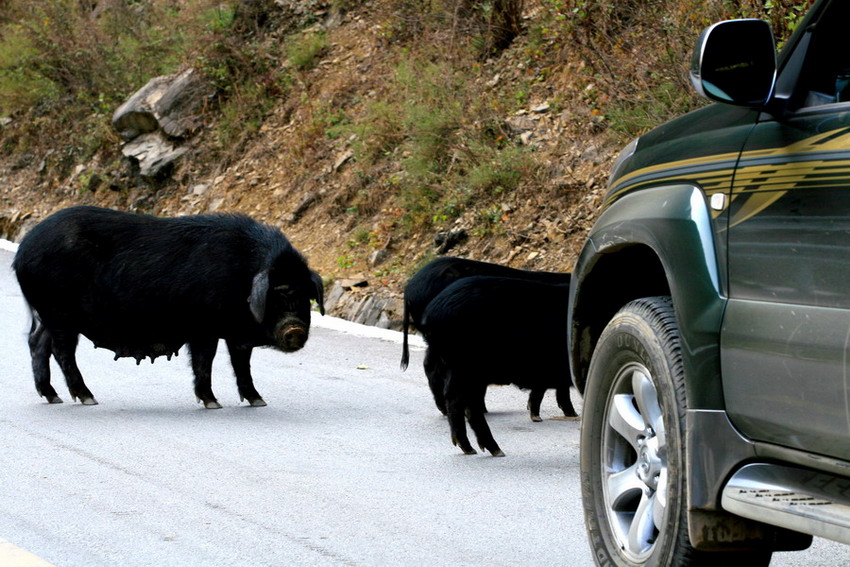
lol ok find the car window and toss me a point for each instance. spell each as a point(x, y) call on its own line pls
point(826, 73)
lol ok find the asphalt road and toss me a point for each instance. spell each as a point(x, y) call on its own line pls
point(349, 465)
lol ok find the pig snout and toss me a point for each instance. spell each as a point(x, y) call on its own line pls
point(290, 335)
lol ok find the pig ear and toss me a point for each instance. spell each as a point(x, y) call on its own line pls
point(320, 291)
point(257, 299)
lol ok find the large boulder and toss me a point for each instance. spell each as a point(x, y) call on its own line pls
point(155, 122)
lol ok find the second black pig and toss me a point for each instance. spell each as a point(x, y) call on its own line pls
point(433, 278)
point(484, 330)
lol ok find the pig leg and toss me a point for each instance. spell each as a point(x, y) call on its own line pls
point(240, 358)
point(203, 352)
point(64, 346)
point(535, 398)
point(564, 401)
point(435, 371)
point(478, 423)
point(456, 406)
point(40, 344)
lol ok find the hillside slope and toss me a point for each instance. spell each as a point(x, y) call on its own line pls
point(516, 144)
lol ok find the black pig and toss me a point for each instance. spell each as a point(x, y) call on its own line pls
point(485, 330)
point(143, 286)
point(428, 282)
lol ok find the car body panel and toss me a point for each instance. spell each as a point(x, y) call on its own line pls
point(701, 147)
point(784, 374)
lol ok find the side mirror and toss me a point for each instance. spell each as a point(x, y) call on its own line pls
point(735, 62)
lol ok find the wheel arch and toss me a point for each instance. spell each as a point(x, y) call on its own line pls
point(657, 241)
point(599, 297)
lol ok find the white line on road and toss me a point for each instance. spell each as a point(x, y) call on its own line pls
point(13, 556)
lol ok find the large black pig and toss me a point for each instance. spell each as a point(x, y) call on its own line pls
point(436, 276)
point(485, 330)
point(143, 286)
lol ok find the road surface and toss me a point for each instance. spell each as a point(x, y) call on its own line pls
point(349, 465)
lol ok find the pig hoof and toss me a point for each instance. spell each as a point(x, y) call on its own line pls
point(464, 446)
point(83, 399)
point(212, 404)
point(258, 403)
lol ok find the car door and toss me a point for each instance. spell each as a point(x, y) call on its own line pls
point(786, 333)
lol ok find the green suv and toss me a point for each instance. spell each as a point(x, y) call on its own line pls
point(710, 312)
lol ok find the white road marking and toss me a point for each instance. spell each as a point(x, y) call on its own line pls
point(13, 556)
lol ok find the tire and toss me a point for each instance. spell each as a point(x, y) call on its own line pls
point(633, 474)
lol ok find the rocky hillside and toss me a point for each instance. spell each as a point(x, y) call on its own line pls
point(400, 138)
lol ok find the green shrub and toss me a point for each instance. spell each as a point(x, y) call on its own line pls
point(379, 132)
point(20, 86)
point(499, 170)
point(304, 51)
point(219, 18)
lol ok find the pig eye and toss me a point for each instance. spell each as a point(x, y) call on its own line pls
point(285, 290)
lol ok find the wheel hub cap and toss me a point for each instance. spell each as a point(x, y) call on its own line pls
point(649, 465)
point(634, 463)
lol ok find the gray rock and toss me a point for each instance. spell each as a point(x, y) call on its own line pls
point(520, 124)
point(179, 110)
point(136, 116)
point(350, 300)
point(378, 257)
point(173, 103)
point(153, 153)
point(446, 240)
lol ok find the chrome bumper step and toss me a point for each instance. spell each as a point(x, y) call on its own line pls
point(798, 499)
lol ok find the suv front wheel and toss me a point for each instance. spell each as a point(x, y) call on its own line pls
point(632, 444)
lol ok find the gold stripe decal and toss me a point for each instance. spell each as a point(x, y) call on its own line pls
point(769, 172)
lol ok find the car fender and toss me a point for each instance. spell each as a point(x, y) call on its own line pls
point(656, 241)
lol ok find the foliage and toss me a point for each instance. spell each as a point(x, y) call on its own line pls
point(20, 85)
point(68, 58)
point(304, 51)
point(88, 59)
point(247, 83)
point(445, 138)
point(636, 53)
point(497, 170)
point(488, 26)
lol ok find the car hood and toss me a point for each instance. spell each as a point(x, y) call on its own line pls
point(683, 148)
